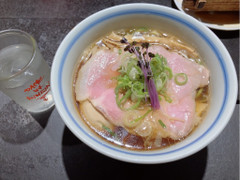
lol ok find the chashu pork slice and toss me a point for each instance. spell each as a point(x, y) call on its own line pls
point(179, 115)
point(95, 83)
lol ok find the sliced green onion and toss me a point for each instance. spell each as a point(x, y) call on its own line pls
point(157, 64)
point(142, 29)
point(134, 73)
point(108, 130)
point(166, 97)
point(164, 60)
point(164, 78)
point(159, 84)
point(199, 92)
point(134, 98)
point(161, 123)
point(178, 78)
point(169, 70)
point(138, 89)
point(141, 117)
point(123, 99)
point(119, 51)
point(117, 89)
point(126, 96)
point(135, 106)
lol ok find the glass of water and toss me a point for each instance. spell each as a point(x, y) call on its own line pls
point(24, 74)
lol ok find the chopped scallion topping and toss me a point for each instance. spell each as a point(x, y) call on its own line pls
point(161, 123)
point(108, 130)
point(142, 29)
point(141, 117)
point(119, 51)
point(180, 79)
point(143, 77)
point(199, 92)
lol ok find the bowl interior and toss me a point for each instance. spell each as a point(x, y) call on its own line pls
point(166, 20)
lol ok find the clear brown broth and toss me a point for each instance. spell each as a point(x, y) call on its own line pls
point(119, 135)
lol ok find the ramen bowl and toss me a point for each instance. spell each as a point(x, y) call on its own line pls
point(223, 81)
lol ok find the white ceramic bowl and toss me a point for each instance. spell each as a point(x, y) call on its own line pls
point(223, 76)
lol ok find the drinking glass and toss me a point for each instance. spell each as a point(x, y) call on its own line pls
point(24, 74)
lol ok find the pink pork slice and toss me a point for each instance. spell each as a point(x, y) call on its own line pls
point(181, 112)
point(95, 83)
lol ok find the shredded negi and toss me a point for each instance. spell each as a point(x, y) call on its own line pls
point(161, 123)
point(143, 78)
point(180, 82)
point(108, 130)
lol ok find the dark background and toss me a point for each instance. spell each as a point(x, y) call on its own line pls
point(46, 149)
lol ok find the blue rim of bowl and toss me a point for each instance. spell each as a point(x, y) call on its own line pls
point(147, 12)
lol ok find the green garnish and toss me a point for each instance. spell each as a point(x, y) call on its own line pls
point(199, 92)
point(131, 120)
point(142, 78)
point(108, 130)
point(142, 29)
point(161, 73)
point(161, 123)
point(141, 117)
point(180, 79)
point(119, 51)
